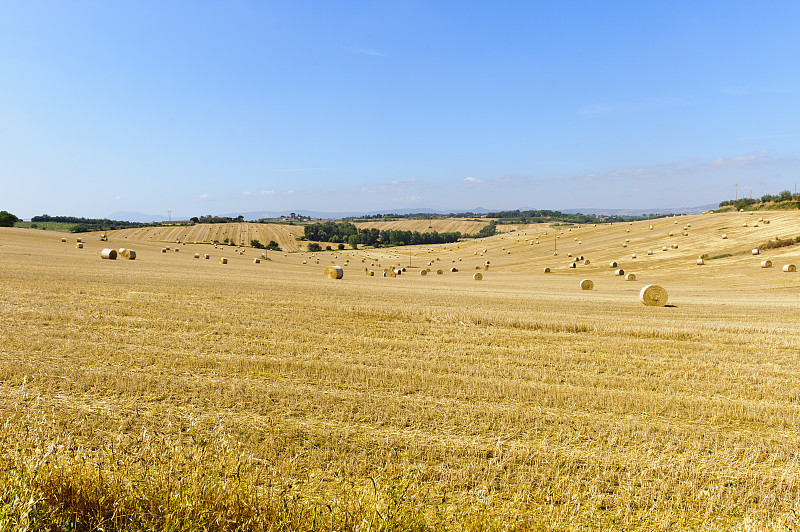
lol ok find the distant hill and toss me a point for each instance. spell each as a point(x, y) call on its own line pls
point(642, 212)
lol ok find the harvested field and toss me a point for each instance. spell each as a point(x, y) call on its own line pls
point(237, 233)
point(269, 395)
point(447, 225)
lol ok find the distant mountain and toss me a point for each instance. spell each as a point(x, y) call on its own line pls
point(255, 215)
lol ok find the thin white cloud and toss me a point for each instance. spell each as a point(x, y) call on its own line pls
point(473, 181)
point(368, 51)
point(203, 196)
point(267, 193)
point(393, 185)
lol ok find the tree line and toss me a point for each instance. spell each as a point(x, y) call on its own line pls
point(84, 225)
point(347, 233)
point(741, 203)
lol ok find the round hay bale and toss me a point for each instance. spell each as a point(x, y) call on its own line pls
point(624, 245)
point(78, 240)
point(630, 277)
point(704, 256)
point(206, 256)
point(370, 273)
point(663, 248)
point(398, 271)
point(439, 272)
point(700, 262)
point(453, 270)
point(619, 272)
point(586, 284)
point(789, 268)
point(674, 246)
point(670, 234)
point(649, 251)
point(197, 255)
point(110, 254)
point(256, 261)
point(586, 262)
point(633, 255)
point(334, 272)
point(79, 245)
point(546, 270)
point(766, 264)
point(223, 260)
point(612, 264)
point(63, 239)
point(569, 254)
point(127, 253)
point(653, 295)
point(755, 251)
point(724, 236)
point(423, 272)
point(477, 276)
point(304, 262)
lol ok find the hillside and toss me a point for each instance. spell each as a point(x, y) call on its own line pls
point(238, 233)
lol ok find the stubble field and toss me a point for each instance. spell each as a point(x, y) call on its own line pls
point(174, 392)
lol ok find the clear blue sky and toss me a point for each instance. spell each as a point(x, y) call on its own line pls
point(208, 107)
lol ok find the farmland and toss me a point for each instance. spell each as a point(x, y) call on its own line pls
point(175, 392)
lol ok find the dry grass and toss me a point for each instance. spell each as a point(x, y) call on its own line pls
point(167, 393)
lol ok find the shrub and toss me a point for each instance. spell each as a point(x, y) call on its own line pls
point(313, 247)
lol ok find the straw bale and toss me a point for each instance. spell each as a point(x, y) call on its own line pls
point(612, 264)
point(256, 261)
point(370, 273)
point(700, 262)
point(630, 277)
point(79, 245)
point(439, 272)
point(653, 295)
point(766, 264)
point(724, 236)
point(633, 255)
point(78, 240)
point(206, 256)
point(63, 239)
point(477, 276)
point(197, 255)
point(586, 284)
point(453, 270)
point(789, 268)
point(110, 254)
point(674, 246)
point(755, 251)
point(334, 272)
point(223, 260)
point(546, 270)
point(649, 251)
point(573, 265)
point(127, 253)
point(423, 272)
point(619, 272)
point(703, 256)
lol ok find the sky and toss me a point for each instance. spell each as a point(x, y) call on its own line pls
point(200, 107)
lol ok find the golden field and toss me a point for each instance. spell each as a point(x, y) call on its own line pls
point(170, 392)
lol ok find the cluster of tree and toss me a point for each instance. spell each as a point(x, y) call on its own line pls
point(741, 203)
point(7, 219)
point(208, 219)
point(345, 232)
point(272, 245)
point(541, 216)
point(84, 225)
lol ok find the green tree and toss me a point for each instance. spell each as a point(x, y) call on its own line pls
point(7, 219)
point(353, 241)
point(314, 247)
point(785, 195)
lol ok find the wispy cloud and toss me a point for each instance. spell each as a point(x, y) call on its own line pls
point(393, 185)
point(368, 51)
point(204, 196)
point(262, 193)
point(473, 181)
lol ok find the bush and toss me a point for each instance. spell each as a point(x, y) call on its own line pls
point(7, 219)
point(256, 244)
point(313, 247)
point(340, 247)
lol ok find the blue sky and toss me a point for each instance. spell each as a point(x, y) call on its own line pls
point(223, 107)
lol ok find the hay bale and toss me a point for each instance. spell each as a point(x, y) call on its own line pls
point(453, 270)
point(766, 264)
point(370, 273)
point(546, 270)
point(674, 246)
point(573, 265)
point(78, 240)
point(633, 255)
point(630, 277)
point(789, 268)
point(569, 254)
point(755, 251)
point(700, 262)
point(624, 245)
point(724, 236)
point(398, 272)
point(619, 272)
point(663, 248)
point(423, 272)
point(704, 256)
point(206, 256)
point(439, 272)
point(223, 260)
point(110, 254)
point(653, 295)
point(256, 261)
point(127, 253)
point(649, 251)
point(586, 284)
point(163, 250)
point(197, 255)
point(477, 276)
point(79, 245)
point(612, 264)
point(586, 262)
point(334, 272)
point(63, 239)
